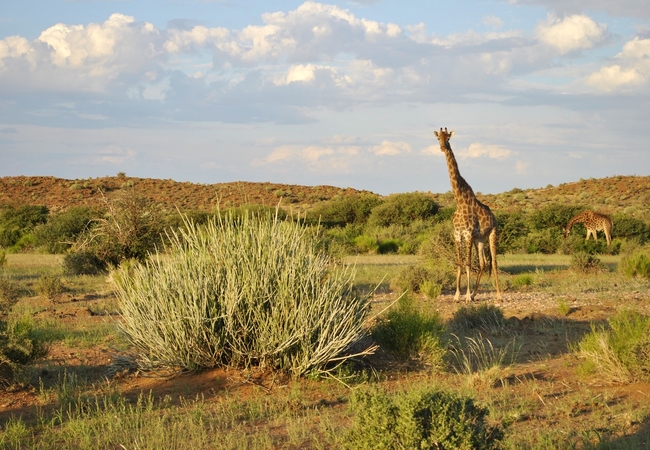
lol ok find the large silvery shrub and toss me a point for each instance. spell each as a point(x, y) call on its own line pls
point(246, 291)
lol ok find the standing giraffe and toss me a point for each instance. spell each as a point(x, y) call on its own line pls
point(593, 222)
point(473, 221)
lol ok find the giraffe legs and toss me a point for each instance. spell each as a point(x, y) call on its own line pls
point(468, 261)
point(481, 262)
point(493, 253)
point(459, 268)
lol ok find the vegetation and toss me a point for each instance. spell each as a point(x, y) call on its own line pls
point(427, 419)
point(242, 292)
point(619, 353)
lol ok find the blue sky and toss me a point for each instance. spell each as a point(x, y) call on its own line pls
point(345, 93)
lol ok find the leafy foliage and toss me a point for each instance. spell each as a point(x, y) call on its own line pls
point(344, 211)
point(15, 223)
point(405, 331)
point(19, 346)
point(586, 263)
point(60, 231)
point(423, 419)
point(635, 265)
point(402, 209)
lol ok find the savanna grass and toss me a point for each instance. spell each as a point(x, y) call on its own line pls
point(619, 353)
point(246, 291)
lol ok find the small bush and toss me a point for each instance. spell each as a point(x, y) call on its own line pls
point(410, 278)
point(19, 346)
point(62, 229)
point(563, 307)
point(431, 289)
point(50, 286)
point(83, 263)
point(9, 292)
point(522, 280)
point(586, 263)
point(484, 316)
point(402, 209)
point(388, 246)
point(405, 331)
point(621, 352)
point(344, 211)
point(3, 258)
point(635, 265)
point(366, 244)
point(424, 419)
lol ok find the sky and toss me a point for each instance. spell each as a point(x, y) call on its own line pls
point(344, 93)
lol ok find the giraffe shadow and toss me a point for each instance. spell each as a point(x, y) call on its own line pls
point(528, 268)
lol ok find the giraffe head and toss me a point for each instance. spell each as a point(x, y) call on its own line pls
point(443, 138)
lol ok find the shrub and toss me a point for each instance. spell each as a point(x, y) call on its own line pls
point(484, 316)
point(17, 222)
point(405, 331)
point(61, 230)
point(50, 286)
point(388, 246)
point(620, 353)
point(366, 244)
point(630, 228)
point(512, 229)
point(244, 292)
point(83, 263)
point(344, 211)
point(9, 292)
point(547, 241)
point(19, 346)
point(130, 228)
point(523, 280)
point(422, 419)
point(410, 278)
point(586, 263)
point(340, 241)
point(431, 289)
point(402, 209)
point(635, 265)
point(3, 258)
point(552, 216)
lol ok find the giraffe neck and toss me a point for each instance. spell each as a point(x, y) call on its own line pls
point(459, 186)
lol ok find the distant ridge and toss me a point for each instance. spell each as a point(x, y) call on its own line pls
point(617, 194)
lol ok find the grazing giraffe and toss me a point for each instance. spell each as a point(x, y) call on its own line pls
point(473, 222)
point(593, 222)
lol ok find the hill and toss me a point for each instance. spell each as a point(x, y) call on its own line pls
point(618, 194)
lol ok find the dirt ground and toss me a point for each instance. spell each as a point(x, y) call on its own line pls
point(546, 358)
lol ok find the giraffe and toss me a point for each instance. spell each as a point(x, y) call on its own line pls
point(473, 222)
point(594, 222)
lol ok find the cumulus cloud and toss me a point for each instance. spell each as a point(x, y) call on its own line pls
point(391, 148)
point(571, 33)
point(477, 150)
point(632, 68)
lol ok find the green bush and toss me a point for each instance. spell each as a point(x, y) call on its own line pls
point(19, 346)
point(130, 228)
point(635, 265)
point(523, 280)
point(241, 292)
point(405, 331)
point(50, 286)
point(366, 244)
point(17, 222)
point(340, 241)
point(512, 229)
point(620, 352)
point(402, 209)
point(552, 216)
point(422, 419)
point(61, 230)
point(388, 246)
point(624, 226)
point(83, 263)
point(586, 263)
point(547, 241)
point(9, 292)
point(3, 258)
point(343, 211)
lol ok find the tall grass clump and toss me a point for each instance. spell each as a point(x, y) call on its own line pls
point(405, 332)
point(619, 353)
point(246, 291)
point(635, 265)
point(420, 419)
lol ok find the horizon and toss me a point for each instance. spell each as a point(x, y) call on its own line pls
point(343, 93)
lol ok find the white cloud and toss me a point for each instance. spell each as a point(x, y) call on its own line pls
point(299, 73)
point(632, 68)
point(610, 78)
point(476, 150)
point(576, 32)
point(493, 21)
point(391, 148)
